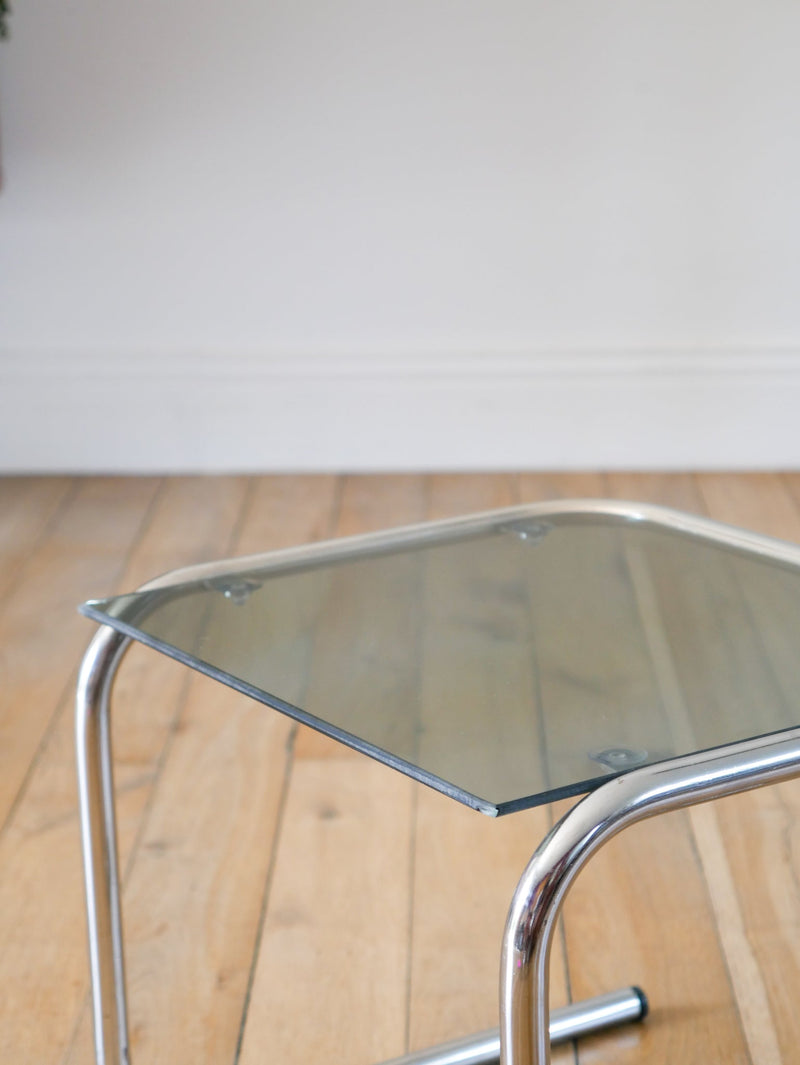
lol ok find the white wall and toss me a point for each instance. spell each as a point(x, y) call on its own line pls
point(298, 234)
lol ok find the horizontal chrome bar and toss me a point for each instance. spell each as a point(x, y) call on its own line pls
point(571, 1022)
point(595, 1014)
point(428, 533)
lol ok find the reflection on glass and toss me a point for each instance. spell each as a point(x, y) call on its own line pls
point(509, 667)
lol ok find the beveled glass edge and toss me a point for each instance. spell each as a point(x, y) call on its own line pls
point(429, 533)
point(295, 712)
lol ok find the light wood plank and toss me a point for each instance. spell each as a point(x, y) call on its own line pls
point(758, 835)
point(195, 896)
point(335, 939)
point(369, 684)
point(538, 487)
point(44, 835)
point(27, 506)
point(466, 870)
point(452, 495)
point(42, 937)
point(330, 983)
point(368, 503)
point(194, 899)
point(466, 866)
point(626, 919)
point(641, 913)
point(193, 521)
point(477, 687)
point(678, 490)
point(39, 625)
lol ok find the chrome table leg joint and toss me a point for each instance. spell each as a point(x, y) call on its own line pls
point(622, 801)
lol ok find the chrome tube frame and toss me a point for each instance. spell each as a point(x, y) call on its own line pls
point(453, 529)
point(526, 945)
point(99, 839)
point(623, 801)
point(103, 893)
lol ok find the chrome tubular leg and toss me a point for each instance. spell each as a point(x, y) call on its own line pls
point(623, 801)
point(98, 832)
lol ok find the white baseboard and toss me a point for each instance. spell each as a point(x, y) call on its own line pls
point(60, 412)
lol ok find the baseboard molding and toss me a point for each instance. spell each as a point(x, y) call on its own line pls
point(145, 412)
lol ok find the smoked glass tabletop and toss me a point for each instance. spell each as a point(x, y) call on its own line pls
point(505, 659)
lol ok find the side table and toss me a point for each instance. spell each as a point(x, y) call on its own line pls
point(643, 731)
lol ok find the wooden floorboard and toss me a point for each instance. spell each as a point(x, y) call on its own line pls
point(466, 866)
point(288, 900)
point(335, 941)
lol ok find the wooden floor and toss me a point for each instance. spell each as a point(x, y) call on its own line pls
point(290, 901)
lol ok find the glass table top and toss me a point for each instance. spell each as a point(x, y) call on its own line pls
point(508, 658)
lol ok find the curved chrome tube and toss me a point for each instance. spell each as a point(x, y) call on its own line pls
point(524, 1027)
point(623, 801)
point(99, 837)
point(437, 532)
